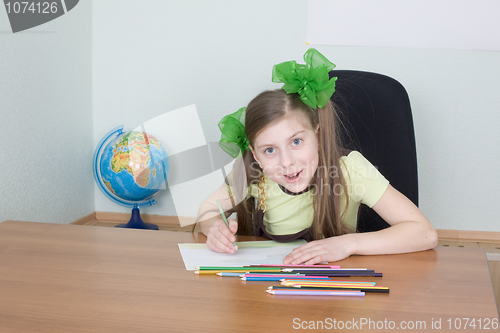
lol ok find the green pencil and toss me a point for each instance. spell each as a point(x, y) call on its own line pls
point(225, 220)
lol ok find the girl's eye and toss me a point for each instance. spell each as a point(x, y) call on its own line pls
point(269, 151)
point(296, 142)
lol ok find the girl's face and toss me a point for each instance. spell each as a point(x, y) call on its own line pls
point(287, 151)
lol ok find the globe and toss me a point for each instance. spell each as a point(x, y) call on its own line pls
point(130, 168)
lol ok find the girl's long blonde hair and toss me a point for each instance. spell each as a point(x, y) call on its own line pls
point(328, 182)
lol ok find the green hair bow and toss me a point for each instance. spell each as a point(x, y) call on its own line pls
point(310, 81)
point(233, 139)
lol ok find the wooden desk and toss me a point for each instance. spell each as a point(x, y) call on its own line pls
point(66, 278)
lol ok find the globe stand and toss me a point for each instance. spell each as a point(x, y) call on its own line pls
point(136, 222)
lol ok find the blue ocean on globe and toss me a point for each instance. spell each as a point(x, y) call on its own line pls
point(134, 166)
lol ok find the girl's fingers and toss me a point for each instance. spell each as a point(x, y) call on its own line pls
point(309, 258)
point(233, 225)
point(297, 252)
point(220, 238)
point(308, 254)
point(217, 246)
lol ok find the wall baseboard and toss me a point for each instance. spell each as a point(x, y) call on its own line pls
point(86, 220)
point(469, 235)
point(173, 221)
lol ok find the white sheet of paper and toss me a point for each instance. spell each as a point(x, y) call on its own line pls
point(248, 253)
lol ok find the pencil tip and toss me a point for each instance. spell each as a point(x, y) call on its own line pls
point(196, 272)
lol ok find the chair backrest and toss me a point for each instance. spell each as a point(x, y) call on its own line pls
point(376, 114)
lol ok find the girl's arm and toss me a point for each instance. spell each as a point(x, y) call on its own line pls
point(410, 231)
point(219, 237)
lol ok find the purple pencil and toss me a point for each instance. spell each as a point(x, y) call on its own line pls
point(315, 292)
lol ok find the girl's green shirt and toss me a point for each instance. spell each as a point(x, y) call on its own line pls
point(291, 213)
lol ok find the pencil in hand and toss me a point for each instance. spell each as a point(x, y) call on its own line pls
point(225, 220)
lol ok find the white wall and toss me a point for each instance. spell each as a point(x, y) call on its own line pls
point(46, 120)
point(129, 62)
point(162, 55)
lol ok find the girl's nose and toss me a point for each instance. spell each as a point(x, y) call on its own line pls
point(287, 158)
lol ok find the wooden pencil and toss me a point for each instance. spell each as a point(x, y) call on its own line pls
point(299, 280)
point(241, 268)
point(225, 220)
point(326, 269)
point(213, 272)
point(316, 293)
point(297, 266)
point(229, 274)
point(272, 278)
point(289, 276)
point(360, 288)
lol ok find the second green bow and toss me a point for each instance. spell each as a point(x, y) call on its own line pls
point(233, 138)
point(310, 81)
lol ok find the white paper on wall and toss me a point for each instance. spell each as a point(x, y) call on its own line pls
point(442, 24)
point(197, 168)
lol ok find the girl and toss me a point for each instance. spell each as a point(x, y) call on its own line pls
point(295, 181)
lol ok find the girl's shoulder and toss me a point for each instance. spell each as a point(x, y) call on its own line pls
point(364, 182)
point(355, 164)
point(352, 158)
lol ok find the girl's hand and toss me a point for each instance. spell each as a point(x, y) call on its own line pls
point(329, 249)
point(220, 238)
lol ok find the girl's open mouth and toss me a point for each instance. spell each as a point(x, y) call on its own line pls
point(293, 176)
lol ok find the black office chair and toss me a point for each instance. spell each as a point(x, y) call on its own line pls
point(376, 114)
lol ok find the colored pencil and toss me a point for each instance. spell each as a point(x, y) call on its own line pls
point(272, 278)
point(297, 266)
point(299, 280)
point(338, 287)
point(228, 274)
point(283, 276)
point(239, 268)
point(268, 278)
point(316, 293)
point(286, 269)
point(288, 276)
point(371, 290)
point(225, 220)
point(327, 271)
point(324, 282)
point(337, 275)
point(281, 273)
point(241, 271)
point(305, 284)
point(340, 274)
